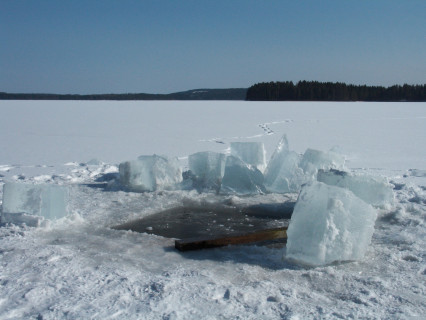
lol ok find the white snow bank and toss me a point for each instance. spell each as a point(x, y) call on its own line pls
point(30, 204)
point(150, 173)
point(376, 191)
point(329, 224)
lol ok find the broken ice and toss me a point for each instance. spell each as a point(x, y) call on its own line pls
point(283, 175)
point(314, 160)
point(208, 168)
point(373, 190)
point(252, 153)
point(240, 178)
point(329, 224)
point(29, 204)
point(150, 173)
point(287, 171)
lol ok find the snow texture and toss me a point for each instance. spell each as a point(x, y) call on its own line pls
point(252, 153)
point(241, 178)
point(77, 267)
point(208, 168)
point(329, 224)
point(374, 190)
point(30, 203)
point(150, 173)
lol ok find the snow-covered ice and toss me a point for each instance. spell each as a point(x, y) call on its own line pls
point(241, 178)
point(31, 203)
point(376, 191)
point(329, 224)
point(150, 173)
point(77, 267)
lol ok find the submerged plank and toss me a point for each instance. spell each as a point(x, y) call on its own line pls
point(204, 243)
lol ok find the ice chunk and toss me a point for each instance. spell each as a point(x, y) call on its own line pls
point(287, 171)
point(314, 160)
point(208, 168)
point(150, 173)
point(373, 190)
point(29, 204)
point(252, 153)
point(283, 175)
point(329, 224)
point(240, 178)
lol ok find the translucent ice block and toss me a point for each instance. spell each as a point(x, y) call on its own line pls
point(373, 190)
point(240, 178)
point(329, 224)
point(314, 160)
point(29, 204)
point(208, 168)
point(252, 153)
point(150, 173)
point(283, 175)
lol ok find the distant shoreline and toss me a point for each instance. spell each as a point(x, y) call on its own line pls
point(265, 91)
point(197, 94)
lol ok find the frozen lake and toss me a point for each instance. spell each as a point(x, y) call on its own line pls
point(79, 268)
point(372, 135)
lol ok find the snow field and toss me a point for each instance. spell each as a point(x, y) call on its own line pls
point(77, 267)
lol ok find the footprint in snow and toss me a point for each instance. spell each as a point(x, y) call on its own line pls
point(266, 129)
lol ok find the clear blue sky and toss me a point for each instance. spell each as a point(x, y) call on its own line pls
point(160, 46)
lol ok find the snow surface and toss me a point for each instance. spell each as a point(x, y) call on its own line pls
point(78, 267)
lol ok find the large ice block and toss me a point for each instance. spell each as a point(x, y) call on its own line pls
point(329, 224)
point(240, 178)
point(373, 190)
point(150, 173)
point(252, 153)
point(208, 168)
point(314, 160)
point(283, 175)
point(29, 203)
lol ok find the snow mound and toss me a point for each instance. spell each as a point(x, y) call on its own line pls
point(150, 173)
point(30, 204)
point(329, 224)
point(376, 191)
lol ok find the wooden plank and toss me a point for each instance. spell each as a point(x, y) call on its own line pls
point(204, 243)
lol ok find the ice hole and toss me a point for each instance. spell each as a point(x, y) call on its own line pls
point(195, 222)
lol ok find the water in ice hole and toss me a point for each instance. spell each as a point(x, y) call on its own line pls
point(194, 222)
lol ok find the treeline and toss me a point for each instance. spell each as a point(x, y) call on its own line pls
point(199, 94)
point(328, 91)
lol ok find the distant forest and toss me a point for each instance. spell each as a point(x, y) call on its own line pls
point(328, 91)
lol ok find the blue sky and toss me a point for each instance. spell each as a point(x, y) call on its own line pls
point(167, 46)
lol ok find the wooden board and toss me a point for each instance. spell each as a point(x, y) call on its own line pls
point(204, 243)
